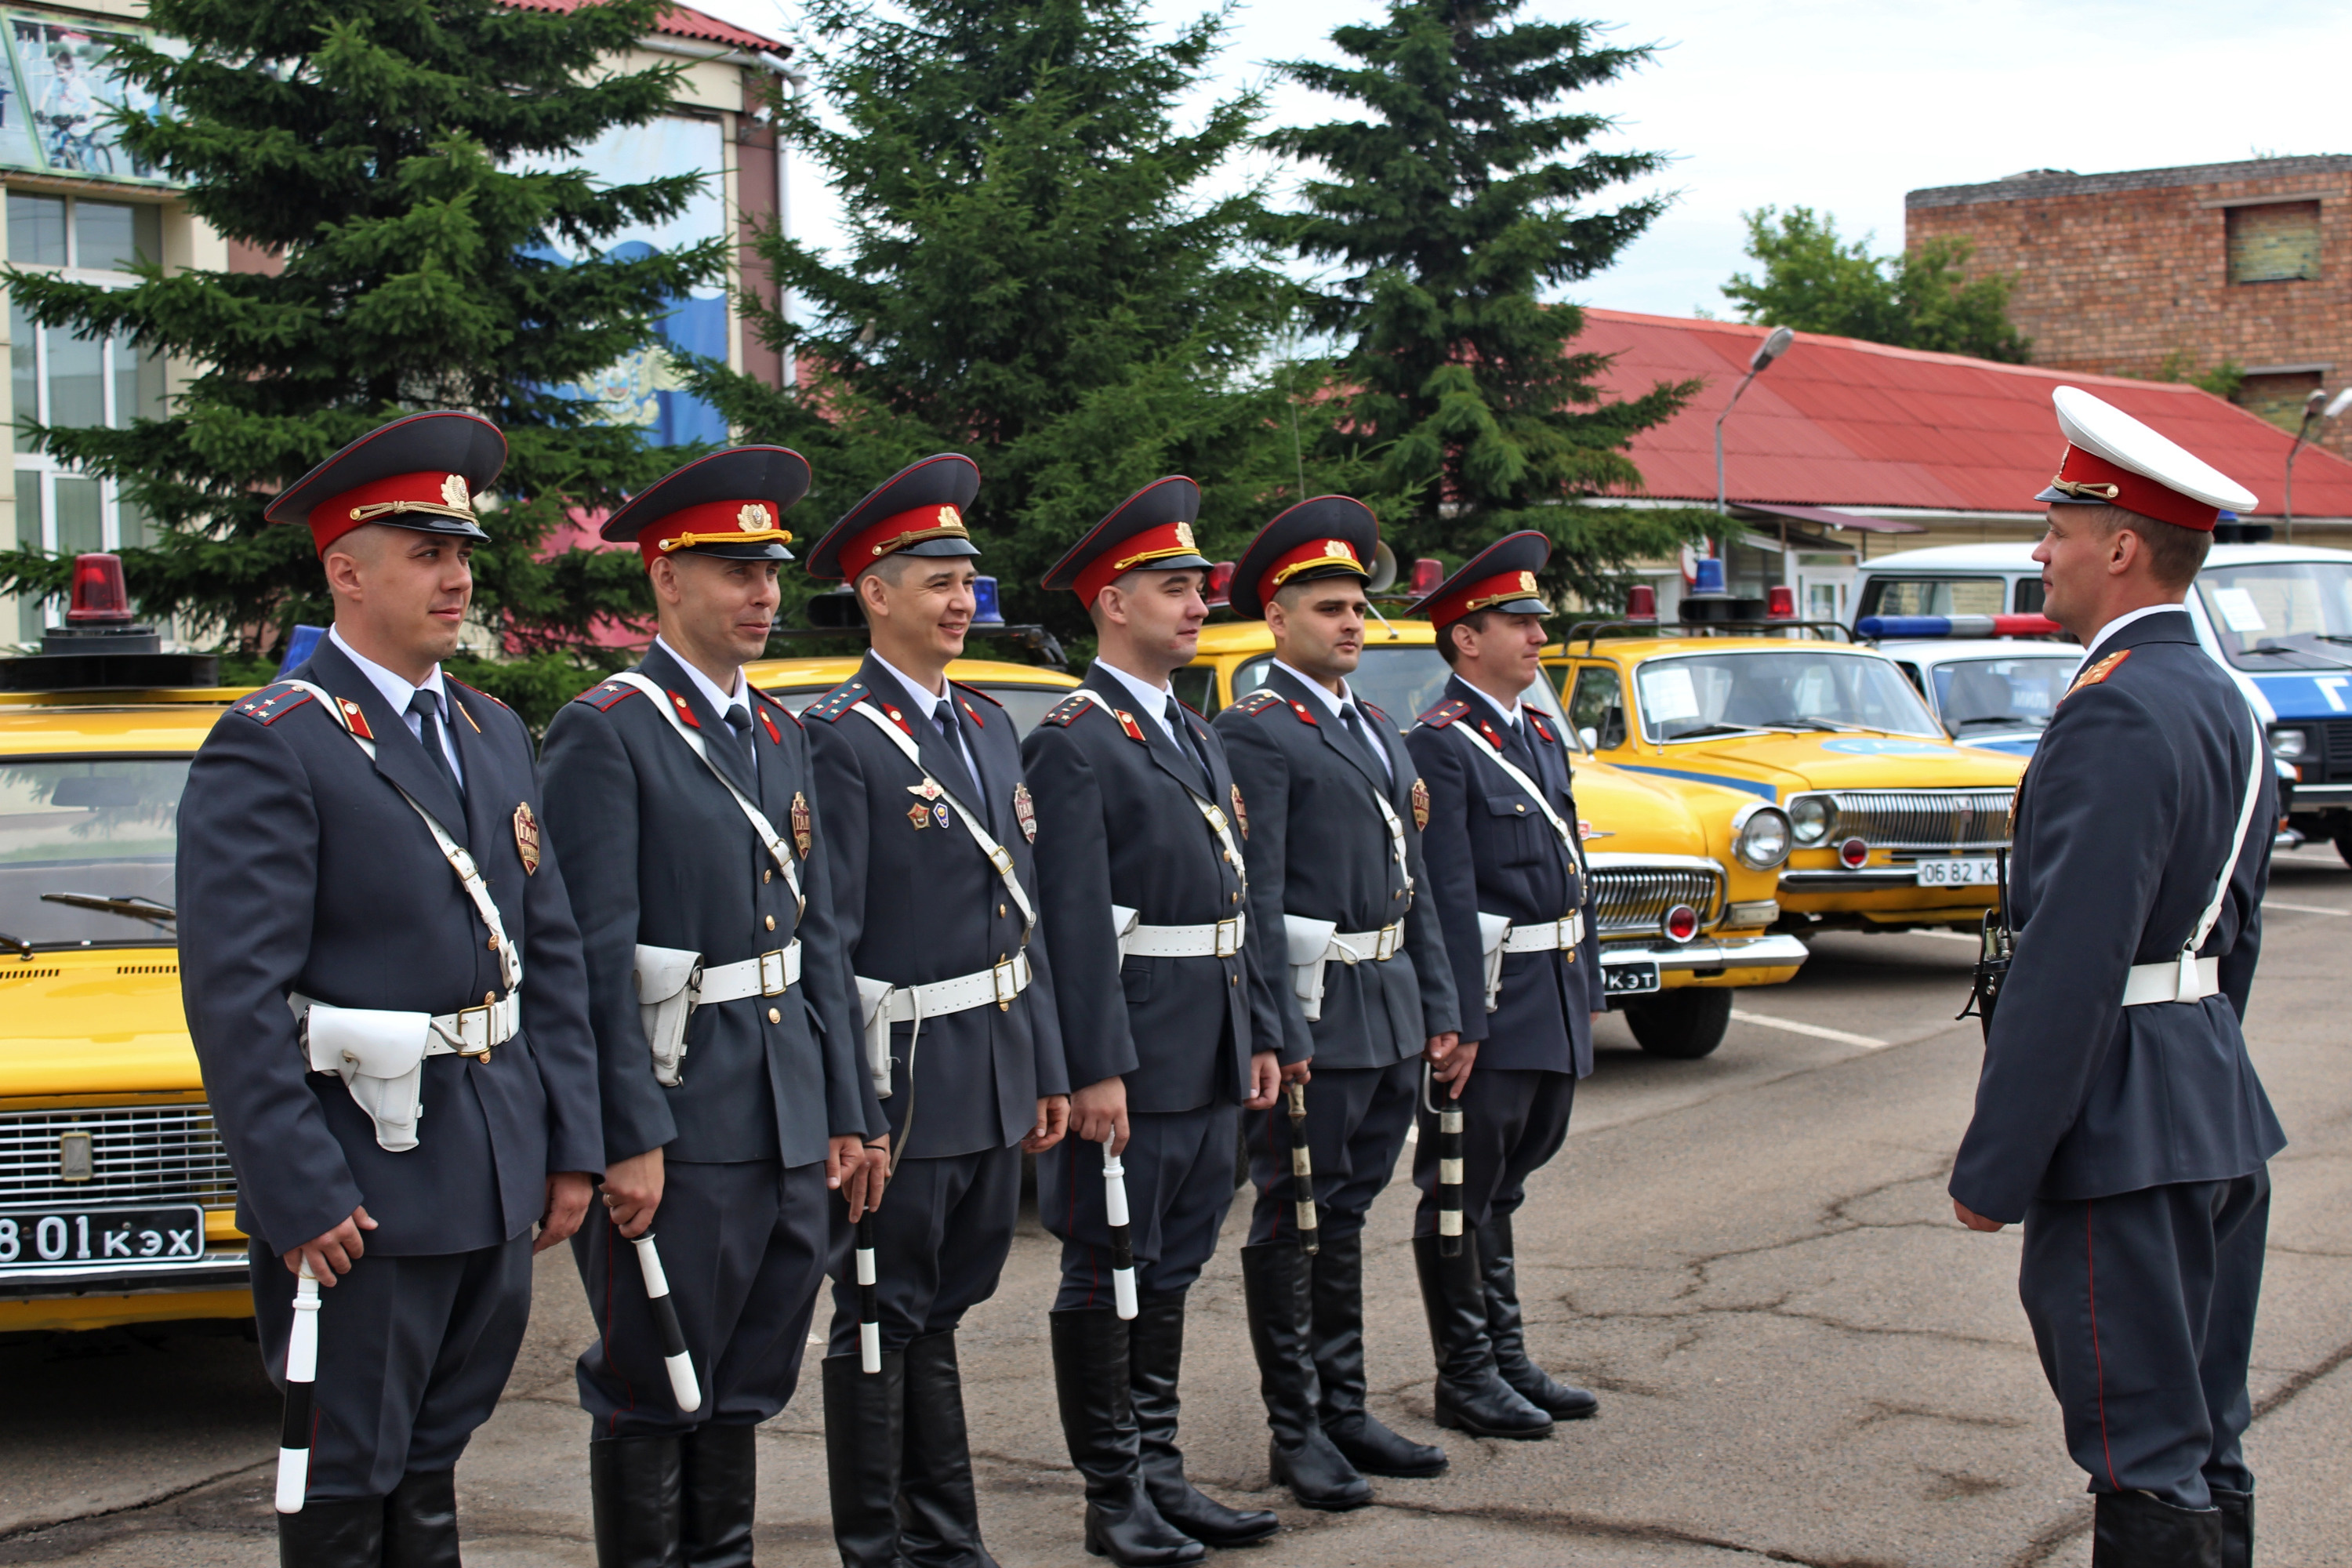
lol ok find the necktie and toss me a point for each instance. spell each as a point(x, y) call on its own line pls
point(1355, 726)
point(945, 718)
point(1186, 741)
point(739, 719)
point(426, 705)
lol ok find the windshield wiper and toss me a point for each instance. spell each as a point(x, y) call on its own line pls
point(1717, 729)
point(1998, 718)
point(133, 906)
point(23, 949)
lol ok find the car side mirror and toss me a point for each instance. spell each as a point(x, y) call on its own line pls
point(1591, 737)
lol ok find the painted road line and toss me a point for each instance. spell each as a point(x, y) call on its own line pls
point(1947, 935)
point(2302, 908)
point(1815, 1030)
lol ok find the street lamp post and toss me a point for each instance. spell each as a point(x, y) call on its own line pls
point(1771, 348)
point(2317, 408)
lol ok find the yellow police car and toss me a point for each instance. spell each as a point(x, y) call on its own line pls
point(1684, 872)
point(1028, 691)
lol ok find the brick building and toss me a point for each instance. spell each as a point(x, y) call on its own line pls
point(2168, 273)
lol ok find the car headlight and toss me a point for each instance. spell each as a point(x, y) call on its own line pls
point(1812, 818)
point(1761, 838)
point(2291, 744)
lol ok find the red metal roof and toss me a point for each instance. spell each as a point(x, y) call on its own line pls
point(1838, 422)
point(678, 22)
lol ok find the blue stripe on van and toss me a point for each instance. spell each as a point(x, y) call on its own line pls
point(1750, 785)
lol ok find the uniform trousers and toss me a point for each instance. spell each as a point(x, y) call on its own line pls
point(1356, 1121)
point(1179, 1182)
point(2143, 1307)
point(1514, 1120)
point(939, 1241)
point(742, 1244)
point(412, 1355)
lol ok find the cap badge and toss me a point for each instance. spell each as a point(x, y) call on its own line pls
point(1241, 812)
point(453, 491)
point(919, 817)
point(802, 838)
point(1527, 582)
point(752, 517)
point(1420, 804)
point(526, 831)
point(1339, 547)
point(1025, 811)
point(950, 517)
point(1184, 536)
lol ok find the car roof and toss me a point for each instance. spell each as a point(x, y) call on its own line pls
point(35, 724)
point(1641, 649)
point(2019, 557)
point(825, 674)
point(1223, 639)
point(1947, 650)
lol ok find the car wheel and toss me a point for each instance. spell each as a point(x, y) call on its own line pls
point(2344, 847)
point(1682, 1024)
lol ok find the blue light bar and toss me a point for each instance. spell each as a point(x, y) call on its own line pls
point(2026, 625)
point(298, 649)
point(985, 612)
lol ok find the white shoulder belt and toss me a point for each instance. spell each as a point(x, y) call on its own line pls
point(1496, 935)
point(2190, 978)
point(1211, 939)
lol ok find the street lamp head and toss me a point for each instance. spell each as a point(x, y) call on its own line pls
point(1772, 348)
point(2337, 403)
point(2313, 399)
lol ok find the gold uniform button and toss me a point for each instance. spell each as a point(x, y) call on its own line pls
point(775, 1016)
point(494, 942)
point(767, 876)
point(1232, 980)
point(1232, 898)
point(999, 912)
point(1521, 809)
point(771, 922)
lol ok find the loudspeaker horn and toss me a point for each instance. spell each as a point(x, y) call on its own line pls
point(1384, 569)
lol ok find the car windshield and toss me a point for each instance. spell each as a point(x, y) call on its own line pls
point(1980, 695)
point(1723, 694)
point(1027, 704)
point(86, 850)
point(1403, 682)
point(2281, 614)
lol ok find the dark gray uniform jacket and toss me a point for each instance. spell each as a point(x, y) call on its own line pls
point(1117, 823)
point(2123, 822)
point(656, 851)
point(919, 904)
point(301, 868)
point(1319, 849)
point(1491, 849)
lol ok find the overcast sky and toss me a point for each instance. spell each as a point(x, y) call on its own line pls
point(1843, 105)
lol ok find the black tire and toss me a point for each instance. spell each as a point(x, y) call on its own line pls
point(1682, 1024)
point(2344, 847)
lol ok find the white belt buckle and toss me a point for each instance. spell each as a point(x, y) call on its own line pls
point(1385, 949)
point(2189, 986)
point(1003, 977)
point(771, 973)
point(474, 1033)
point(1229, 940)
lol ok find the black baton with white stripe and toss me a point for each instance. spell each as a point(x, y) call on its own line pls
point(1302, 1169)
point(682, 1382)
point(1449, 1166)
point(1122, 1242)
point(870, 1302)
point(301, 1373)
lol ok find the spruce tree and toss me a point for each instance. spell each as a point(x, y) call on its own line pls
point(399, 161)
point(1032, 276)
point(1445, 213)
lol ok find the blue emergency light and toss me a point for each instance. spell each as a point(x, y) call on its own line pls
point(985, 612)
point(298, 649)
point(1956, 627)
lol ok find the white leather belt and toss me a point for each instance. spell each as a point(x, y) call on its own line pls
point(1378, 946)
point(998, 985)
point(469, 1032)
point(1218, 939)
point(1548, 936)
point(2187, 980)
point(770, 975)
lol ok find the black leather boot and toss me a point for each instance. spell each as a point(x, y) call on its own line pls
point(719, 1491)
point(941, 1527)
point(2237, 1527)
point(1090, 1379)
point(1273, 1287)
point(861, 1439)
point(332, 1534)
point(1471, 1395)
point(1337, 1281)
point(2133, 1530)
point(1507, 1332)
point(1155, 1356)
point(420, 1521)
point(634, 1497)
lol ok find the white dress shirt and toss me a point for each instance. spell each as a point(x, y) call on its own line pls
point(1151, 700)
point(399, 690)
point(1338, 703)
point(927, 703)
point(721, 701)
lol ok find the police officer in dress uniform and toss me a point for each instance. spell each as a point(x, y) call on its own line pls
point(935, 888)
point(726, 1024)
point(1502, 847)
point(1357, 981)
point(398, 1060)
point(1136, 812)
point(2118, 1114)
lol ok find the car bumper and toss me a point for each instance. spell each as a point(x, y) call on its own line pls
point(1772, 951)
point(2313, 796)
point(217, 1271)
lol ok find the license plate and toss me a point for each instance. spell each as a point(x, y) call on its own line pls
point(1628, 979)
point(1957, 873)
point(65, 1240)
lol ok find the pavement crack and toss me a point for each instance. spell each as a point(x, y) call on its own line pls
point(2287, 1392)
point(1516, 1517)
point(21, 1533)
point(1889, 1410)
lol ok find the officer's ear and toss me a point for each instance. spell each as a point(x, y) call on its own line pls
point(662, 571)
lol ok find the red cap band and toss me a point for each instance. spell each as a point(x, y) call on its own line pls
point(436, 491)
point(2134, 492)
point(713, 522)
point(1314, 552)
point(1483, 595)
point(1161, 544)
point(896, 532)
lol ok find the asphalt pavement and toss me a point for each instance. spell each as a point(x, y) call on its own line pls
point(1801, 1358)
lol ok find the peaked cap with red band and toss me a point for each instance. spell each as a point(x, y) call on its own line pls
point(421, 472)
point(1500, 578)
point(730, 504)
point(2112, 458)
point(1151, 530)
point(1331, 536)
point(919, 510)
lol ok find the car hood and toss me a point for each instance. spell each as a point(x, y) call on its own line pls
point(1773, 765)
point(101, 1022)
point(1631, 816)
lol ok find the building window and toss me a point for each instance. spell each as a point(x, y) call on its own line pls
point(59, 378)
point(2279, 398)
point(2275, 242)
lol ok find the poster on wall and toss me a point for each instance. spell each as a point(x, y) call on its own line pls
point(55, 95)
point(642, 389)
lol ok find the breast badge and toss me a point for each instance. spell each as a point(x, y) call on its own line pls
point(1420, 804)
point(1241, 812)
point(526, 829)
point(940, 812)
point(1025, 811)
point(919, 817)
point(801, 837)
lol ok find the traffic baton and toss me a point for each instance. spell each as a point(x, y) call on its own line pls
point(1302, 1169)
point(301, 1371)
point(1449, 1166)
point(682, 1383)
point(1122, 1244)
point(869, 1301)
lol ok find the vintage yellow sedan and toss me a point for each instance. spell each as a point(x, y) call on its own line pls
point(1893, 824)
point(1683, 871)
point(1028, 691)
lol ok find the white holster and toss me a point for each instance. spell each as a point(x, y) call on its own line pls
point(379, 1056)
point(874, 1004)
point(1308, 945)
point(665, 977)
point(1493, 932)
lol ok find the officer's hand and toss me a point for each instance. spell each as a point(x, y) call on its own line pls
point(1053, 1121)
point(1453, 1070)
point(1265, 1080)
point(335, 1252)
point(1974, 1220)
point(1098, 1111)
point(1441, 1046)
point(1297, 1072)
point(632, 1190)
point(847, 1170)
point(568, 1193)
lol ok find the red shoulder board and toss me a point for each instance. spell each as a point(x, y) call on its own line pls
point(1445, 713)
point(272, 703)
point(835, 702)
point(1257, 701)
point(1535, 723)
point(1127, 722)
point(685, 710)
point(1065, 713)
point(605, 697)
point(2097, 672)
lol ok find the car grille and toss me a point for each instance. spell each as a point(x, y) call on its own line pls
point(161, 1153)
point(1633, 899)
point(2335, 748)
point(1924, 818)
